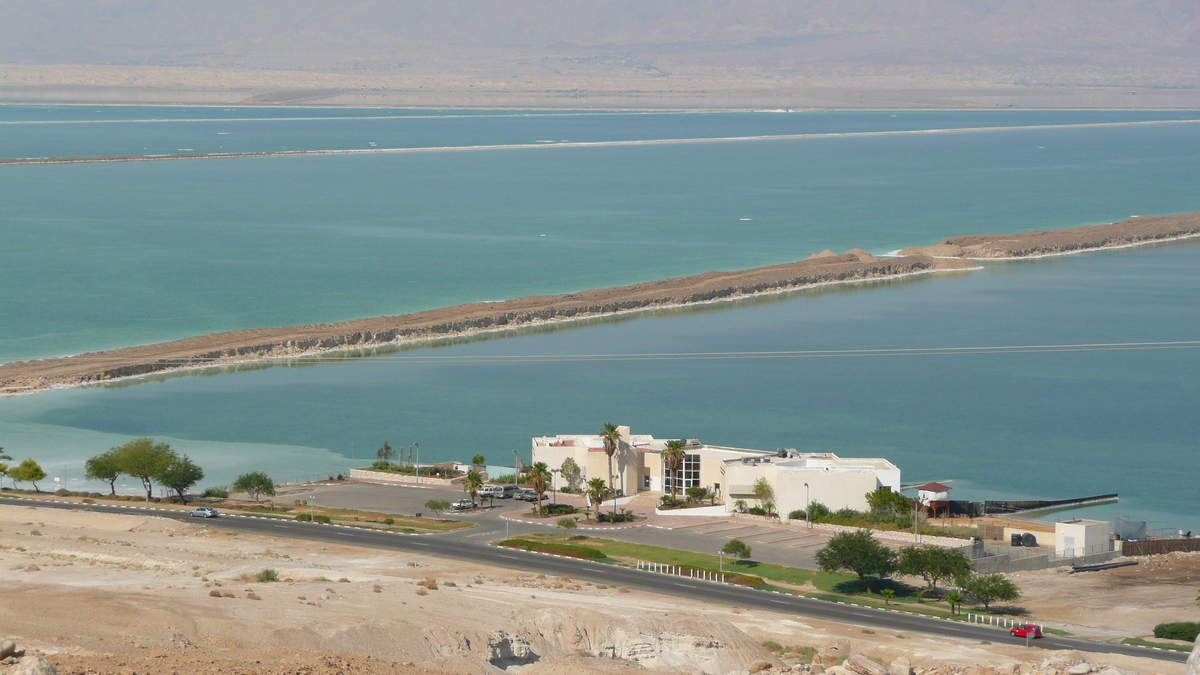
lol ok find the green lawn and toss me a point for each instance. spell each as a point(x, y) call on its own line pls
point(700, 561)
point(1161, 645)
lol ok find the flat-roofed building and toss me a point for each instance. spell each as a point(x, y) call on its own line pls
point(728, 473)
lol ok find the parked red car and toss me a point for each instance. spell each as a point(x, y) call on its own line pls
point(1025, 629)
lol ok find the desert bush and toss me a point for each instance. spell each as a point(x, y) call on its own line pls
point(389, 521)
point(422, 591)
point(215, 493)
point(214, 593)
point(1179, 630)
point(267, 576)
point(429, 583)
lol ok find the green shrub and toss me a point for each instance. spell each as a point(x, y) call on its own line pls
point(303, 517)
point(1179, 630)
point(567, 550)
point(267, 576)
point(567, 523)
point(604, 517)
point(216, 493)
point(322, 519)
point(558, 509)
point(756, 511)
point(389, 521)
point(382, 465)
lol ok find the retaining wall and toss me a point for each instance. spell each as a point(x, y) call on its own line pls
point(390, 478)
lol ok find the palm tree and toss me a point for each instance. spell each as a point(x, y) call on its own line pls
point(673, 461)
point(611, 438)
point(539, 477)
point(596, 492)
point(471, 484)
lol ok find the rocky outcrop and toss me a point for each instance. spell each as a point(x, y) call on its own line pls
point(506, 650)
point(33, 665)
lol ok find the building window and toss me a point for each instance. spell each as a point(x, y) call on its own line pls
point(689, 474)
point(646, 482)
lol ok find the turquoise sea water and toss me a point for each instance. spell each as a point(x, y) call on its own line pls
point(95, 256)
point(103, 255)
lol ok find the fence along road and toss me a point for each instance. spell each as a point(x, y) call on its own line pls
point(684, 587)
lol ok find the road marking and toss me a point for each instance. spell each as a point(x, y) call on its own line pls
point(510, 557)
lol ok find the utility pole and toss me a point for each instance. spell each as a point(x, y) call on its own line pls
point(312, 507)
point(418, 467)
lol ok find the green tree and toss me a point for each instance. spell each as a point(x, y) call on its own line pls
point(673, 458)
point(858, 552)
point(256, 484)
point(539, 480)
point(736, 548)
point(597, 492)
point(103, 467)
point(933, 564)
point(4, 467)
point(764, 492)
point(883, 500)
point(612, 440)
point(437, 506)
point(384, 453)
point(955, 599)
point(179, 475)
point(144, 459)
point(887, 594)
point(472, 482)
point(567, 523)
point(571, 473)
point(478, 460)
point(27, 471)
point(1198, 597)
point(989, 588)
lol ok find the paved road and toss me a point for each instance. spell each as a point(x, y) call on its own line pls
point(477, 551)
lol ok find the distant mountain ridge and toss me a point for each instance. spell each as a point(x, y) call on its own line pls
point(625, 52)
point(1097, 39)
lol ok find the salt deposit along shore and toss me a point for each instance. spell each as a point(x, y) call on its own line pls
point(855, 266)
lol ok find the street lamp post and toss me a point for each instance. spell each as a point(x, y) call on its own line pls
point(721, 564)
point(614, 482)
point(807, 509)
point(312, 507)
point(417, 468)
point(554, 484)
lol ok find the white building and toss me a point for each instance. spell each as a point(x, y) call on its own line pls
point(1081, 537)
point(728, 473)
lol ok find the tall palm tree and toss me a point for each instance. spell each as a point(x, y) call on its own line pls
point(673, 461)
point(471, 484)
point(596, 492)
point(612, 439)
point(539, 477)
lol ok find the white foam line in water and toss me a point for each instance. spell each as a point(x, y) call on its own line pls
point(587, 144)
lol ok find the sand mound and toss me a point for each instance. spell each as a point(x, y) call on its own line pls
point(823, 254)
point(861, 255)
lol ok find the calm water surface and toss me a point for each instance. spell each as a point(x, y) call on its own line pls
point(95, 256)
point(1051, 425)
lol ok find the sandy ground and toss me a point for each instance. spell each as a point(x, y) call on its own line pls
point(1122, 602)
point(118, 594)
point(247, 345)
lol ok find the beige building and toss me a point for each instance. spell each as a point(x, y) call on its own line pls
point(729, 473)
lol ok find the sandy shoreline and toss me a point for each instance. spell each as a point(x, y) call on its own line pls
point(237, 348)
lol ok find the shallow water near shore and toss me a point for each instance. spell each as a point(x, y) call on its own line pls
point(1054, 424)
